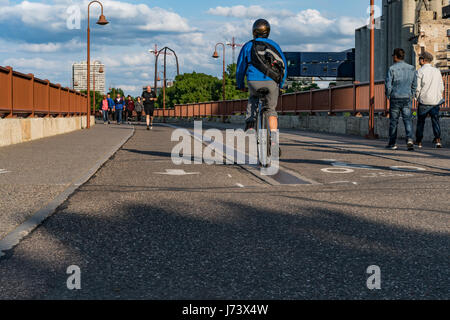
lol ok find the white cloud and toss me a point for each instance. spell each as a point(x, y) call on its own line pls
point(347, 25)
point(52, 16)
point(40, 43)
point(241, 11)
point(33, 63)
point(40, 47)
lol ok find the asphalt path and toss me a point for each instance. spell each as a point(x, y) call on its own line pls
point(144, 228)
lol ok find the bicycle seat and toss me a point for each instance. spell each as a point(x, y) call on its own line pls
point(262, 92)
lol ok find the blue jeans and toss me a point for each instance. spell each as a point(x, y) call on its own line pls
point(105, 115)
point(422, 113)
point(398, 106)
point(119, 115)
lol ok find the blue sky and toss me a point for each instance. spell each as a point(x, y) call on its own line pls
point(34, 37)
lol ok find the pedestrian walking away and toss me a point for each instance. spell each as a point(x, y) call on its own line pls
point(149, 98)
point(138, 107)
point(401, 83)
point(105, 107)
point(118, 108)
point(430, 95)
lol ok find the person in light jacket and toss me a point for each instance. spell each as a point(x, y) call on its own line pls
point(430, 95)
point(139, 106)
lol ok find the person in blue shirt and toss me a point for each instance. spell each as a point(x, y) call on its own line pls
point(401, 84)
point(111, 106)
point(119, 104)
point(256, 79)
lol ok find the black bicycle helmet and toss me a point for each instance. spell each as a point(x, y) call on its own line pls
point(261, 29)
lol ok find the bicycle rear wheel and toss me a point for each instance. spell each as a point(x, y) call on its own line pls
point(263, 139)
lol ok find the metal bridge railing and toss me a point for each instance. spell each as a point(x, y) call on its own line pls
point(26, 96)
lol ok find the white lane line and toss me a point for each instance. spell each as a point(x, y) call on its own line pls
point(407, 168)
point(176, 172)
point(240, 185)
point(229, 175)
point(342, 182)
point(3, 171)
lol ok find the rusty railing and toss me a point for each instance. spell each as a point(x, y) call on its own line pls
point(26, 96)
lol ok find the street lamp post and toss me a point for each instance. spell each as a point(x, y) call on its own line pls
point(164, 51)
point(101, 21)
point(371, 134)
point(215, 56)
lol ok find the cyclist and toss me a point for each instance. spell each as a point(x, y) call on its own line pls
point(256, 79)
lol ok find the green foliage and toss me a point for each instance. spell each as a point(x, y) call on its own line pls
point(300, 86)
point(231, 93)
point(199, 87)
point(190, 88)
point(115, 91)
point(98, 98)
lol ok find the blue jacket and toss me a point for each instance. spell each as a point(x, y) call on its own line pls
point(111, 103)
point(401, 81)
point(245, 68)
point(119, 103)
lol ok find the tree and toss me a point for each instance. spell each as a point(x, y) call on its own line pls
point(199, 87)
point(191, 88)
point(98, 98)
point(231, 93)
point(115, 91)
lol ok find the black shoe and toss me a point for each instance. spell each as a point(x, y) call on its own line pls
point(249, 125)
point(148, 128)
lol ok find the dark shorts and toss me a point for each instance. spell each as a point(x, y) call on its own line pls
point(149, 109)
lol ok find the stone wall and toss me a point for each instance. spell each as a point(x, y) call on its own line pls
point(19, 130)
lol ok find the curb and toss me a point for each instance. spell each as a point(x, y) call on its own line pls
point(19, 233)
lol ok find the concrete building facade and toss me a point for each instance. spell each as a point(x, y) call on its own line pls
point(414, 25)
point(79, 76)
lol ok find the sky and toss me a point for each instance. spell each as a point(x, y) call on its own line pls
point(46, 37)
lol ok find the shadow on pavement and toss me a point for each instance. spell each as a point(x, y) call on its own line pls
point(181, 252)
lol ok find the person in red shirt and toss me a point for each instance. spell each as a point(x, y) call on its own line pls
point(130, 109)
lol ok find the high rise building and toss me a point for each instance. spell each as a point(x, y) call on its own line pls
point(79, 76)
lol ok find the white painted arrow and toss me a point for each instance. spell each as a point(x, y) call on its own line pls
point(176, 172)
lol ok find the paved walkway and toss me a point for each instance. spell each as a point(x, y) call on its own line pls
point(138, 230)
point(33, 174)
